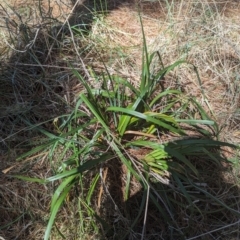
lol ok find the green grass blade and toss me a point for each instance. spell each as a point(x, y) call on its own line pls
point(95, 111)
point(127, 186)
point(204, 115)
point(29, 179)
point(162, 94)
point(60, 189)
point(86, 85)
point(142, 143)
point(195, 122)
point(55, 210)
point(124, 82)
point(92, 188)
point(162, 116)
point(147, 118)
point(166, 70)
point(202, 142)
point(145, 63)
point(84, 167)
point(179, 156)
point(183, 189)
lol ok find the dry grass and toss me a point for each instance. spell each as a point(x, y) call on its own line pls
point(37, 85)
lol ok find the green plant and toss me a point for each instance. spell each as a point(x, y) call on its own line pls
point(117, 120)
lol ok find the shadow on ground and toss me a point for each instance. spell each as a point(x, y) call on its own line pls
point(170, 214)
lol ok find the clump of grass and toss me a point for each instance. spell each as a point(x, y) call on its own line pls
point(161, 138)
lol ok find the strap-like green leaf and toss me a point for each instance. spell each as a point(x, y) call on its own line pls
point(147, 118)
